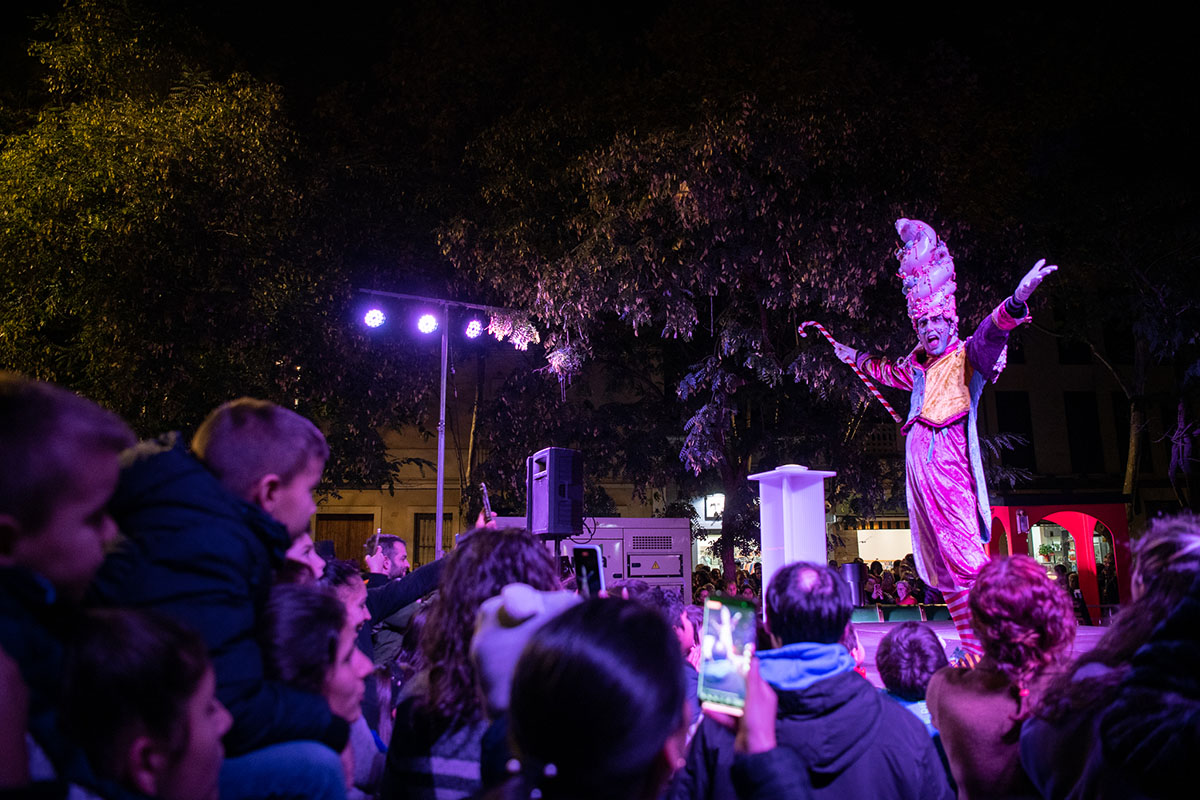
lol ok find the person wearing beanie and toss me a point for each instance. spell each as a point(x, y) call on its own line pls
point(503, 627)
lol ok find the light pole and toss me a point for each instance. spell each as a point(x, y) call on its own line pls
point(441, 461)
point(445, 306)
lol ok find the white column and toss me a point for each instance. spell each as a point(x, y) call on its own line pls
point(792, 517)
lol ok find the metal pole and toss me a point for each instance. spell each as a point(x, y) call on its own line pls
point(441, 464)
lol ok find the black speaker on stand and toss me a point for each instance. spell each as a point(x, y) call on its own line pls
point(554, 494)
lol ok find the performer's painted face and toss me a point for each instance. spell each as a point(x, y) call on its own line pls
point(935, 333)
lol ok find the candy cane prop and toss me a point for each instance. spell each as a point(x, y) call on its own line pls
point(854, 367)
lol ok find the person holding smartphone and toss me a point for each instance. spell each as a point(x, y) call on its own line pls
point(852, 741)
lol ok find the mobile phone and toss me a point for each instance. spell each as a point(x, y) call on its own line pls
point(589, 572)
point(488, 516)
point(726, 647)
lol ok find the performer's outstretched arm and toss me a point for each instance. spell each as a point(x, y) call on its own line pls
point(896, 374)
point(986, 344)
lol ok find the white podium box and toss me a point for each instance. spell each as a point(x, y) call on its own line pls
point(792, 517)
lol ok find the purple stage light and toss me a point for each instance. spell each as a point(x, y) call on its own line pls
point(374, 318)
point(427, 323)
point(474, 328)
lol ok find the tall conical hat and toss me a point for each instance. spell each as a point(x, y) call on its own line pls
point(926, 271)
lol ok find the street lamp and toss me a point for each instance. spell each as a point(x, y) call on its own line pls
point(429, 323)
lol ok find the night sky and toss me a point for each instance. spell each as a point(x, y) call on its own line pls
point(1133, 73)
point(1102, 101)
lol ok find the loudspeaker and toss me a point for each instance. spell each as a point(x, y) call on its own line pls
point(554, 492)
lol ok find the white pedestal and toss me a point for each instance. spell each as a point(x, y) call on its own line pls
point(792, 517)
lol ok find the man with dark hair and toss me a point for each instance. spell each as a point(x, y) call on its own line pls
point(390, 558)
point(849, 739)
point(393, 595)
point(806, 603)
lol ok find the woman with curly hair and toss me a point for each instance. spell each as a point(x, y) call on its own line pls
point(1056, 742)
point(1026, 627)
point(440, 722)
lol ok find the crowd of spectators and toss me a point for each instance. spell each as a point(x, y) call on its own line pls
point(168, 630)
point(745, 583)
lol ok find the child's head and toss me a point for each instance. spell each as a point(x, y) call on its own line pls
point(853, 645)
point(310, 643)
point(303, 553)
point(907, 658)
point(347, 583)
point(265, 455)
point(1167, 557)
point(139, 698)
point(57, 474)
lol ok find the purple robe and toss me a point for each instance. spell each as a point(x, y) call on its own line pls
point(947, 500)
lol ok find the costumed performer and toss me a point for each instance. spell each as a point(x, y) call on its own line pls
point(948, 506)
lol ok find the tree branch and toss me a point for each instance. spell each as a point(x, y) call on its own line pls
point(1095, 354)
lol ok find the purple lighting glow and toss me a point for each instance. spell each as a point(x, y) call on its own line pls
point(427, 323)
point(474, 328)
point(374, 318)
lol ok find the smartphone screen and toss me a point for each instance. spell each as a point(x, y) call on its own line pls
point(726, 647)
point(589, 572)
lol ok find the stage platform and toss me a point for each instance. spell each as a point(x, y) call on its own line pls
point(870, 633)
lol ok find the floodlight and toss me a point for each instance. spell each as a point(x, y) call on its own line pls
point(374, 318)
point(427, 323)
point(474, 328)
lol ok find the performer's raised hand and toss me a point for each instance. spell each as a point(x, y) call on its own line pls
point(844, 353)
point(1032, 280)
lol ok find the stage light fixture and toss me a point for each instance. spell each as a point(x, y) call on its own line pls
point(474, 328)
point(374, 318)
point(427, 323)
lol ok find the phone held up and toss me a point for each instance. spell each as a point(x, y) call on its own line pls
point(488, 516)
point(372, 542)
point(589, 569)
point(729, 632)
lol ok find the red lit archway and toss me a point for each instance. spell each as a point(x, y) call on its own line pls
point(1079, 519)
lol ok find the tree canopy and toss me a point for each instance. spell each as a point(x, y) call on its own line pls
point(715, 226)
point(164, 245)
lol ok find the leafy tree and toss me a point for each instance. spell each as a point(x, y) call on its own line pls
point(617, 412)
point(163, 246)
point(742, 180)
point(720, 236)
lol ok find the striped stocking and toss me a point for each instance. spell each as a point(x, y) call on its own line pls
point(961, 614)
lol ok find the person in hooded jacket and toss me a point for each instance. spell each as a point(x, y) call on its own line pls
point(840, 735)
